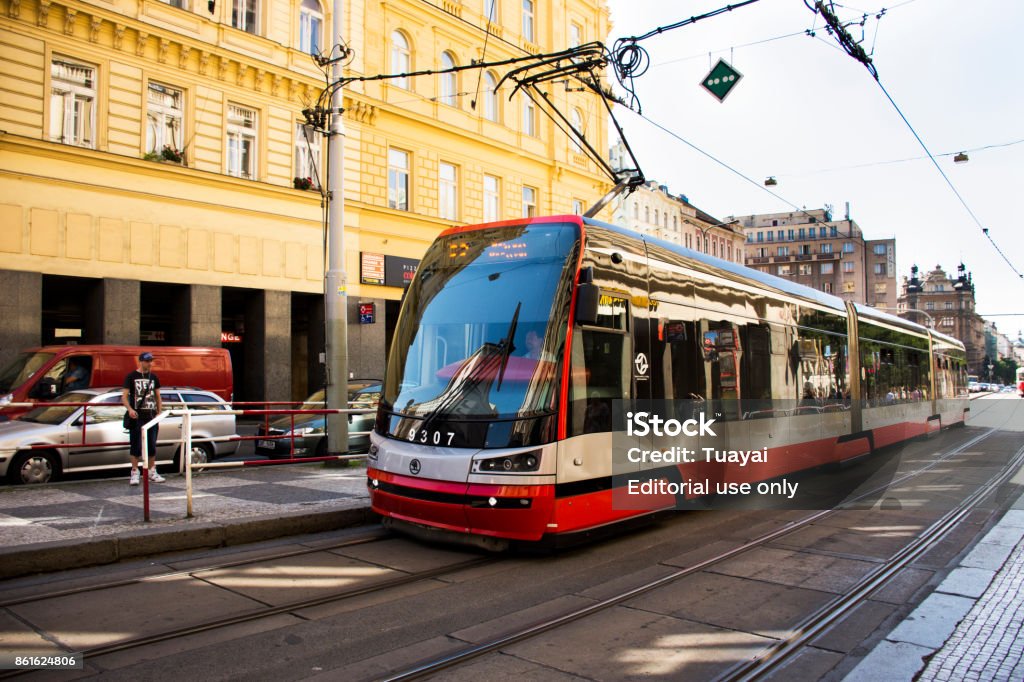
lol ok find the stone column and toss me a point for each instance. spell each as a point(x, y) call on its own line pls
point(366, 341)
point(112, 314)
point(204, 315)
point(21, 309)
point(268, 357)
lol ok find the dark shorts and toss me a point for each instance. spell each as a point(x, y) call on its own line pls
point(135, 435)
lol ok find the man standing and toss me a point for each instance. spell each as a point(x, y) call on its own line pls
point(141, 397)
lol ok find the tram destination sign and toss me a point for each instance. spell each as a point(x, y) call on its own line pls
point(721, 80)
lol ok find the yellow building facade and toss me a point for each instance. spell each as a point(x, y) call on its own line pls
point(154, 165)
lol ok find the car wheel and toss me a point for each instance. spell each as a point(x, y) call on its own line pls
point(34, 467)
point(202, 453)
point(321, 448)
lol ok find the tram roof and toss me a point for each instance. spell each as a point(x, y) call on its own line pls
point(780, 284)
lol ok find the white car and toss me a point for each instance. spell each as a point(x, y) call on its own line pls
point(56, 426)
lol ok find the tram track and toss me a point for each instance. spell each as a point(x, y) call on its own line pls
point(830, 614)
point(377, 536)
point(91, 653)
point(934, 533)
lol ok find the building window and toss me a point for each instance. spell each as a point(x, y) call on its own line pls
point(848, 266)
point(833, 231)
point(491, 11)
point(398, 179)
point(848, 247)
point(528, 20)
point(947, 322)
point(492, 199)
point(879, 268)
point(783, 270)
point(762, 252)
point(647, 214)
point(821, 231)
point(805, 249)
point(805, 268)
point(165, 112)
point(448, 191)
point(491, 104)
point(771, 236)
point(577, 207)
point(307, 153)
point(401, 60)
point(879, 249)
point(802, 233)
point(575, 35)
point(655, 217)
point(948, 305)
point(929, 305)
point(827, 287)
point(72, 103)
point(826, 248)
point(449, 81)
point(576, 117)
point(791, 234)
point(245, 14)
point(940, 287)
point(782, 251)
point(180, 4)
point(241, 142)
point(529, 116)
point(827, 268)
point(529, 202)
point(311, 25)
point(775, 223)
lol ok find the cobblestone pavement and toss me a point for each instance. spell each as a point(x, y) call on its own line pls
point(989, 642)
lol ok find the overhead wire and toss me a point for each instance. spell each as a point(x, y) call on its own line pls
point(855, 50)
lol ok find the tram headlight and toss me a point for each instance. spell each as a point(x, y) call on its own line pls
point(522, 462)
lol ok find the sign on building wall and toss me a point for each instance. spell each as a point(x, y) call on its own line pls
point(891, 265)
point(389, 271)
point(367, 313)
point(398, 272)
point(371, 268)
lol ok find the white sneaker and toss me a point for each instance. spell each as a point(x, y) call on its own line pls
point(155, 477)
point(134, 478)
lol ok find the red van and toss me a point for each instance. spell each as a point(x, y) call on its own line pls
point(42, 374)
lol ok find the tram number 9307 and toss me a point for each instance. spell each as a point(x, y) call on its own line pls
point(427, 437)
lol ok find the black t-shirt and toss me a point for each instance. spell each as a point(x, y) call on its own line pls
point(141, 396)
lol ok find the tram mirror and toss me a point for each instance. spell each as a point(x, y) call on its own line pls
point(587, 297)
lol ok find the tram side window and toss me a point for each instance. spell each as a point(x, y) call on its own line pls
point(599, 368)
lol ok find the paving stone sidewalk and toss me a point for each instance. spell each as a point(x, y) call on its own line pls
point(86, 509)
point(971, 627)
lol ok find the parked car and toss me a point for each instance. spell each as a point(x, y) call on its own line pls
point(58, 425)
point(310, 429)
point(973, 387)
point(42, 374)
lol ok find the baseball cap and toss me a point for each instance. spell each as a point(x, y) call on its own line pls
point(145, 356)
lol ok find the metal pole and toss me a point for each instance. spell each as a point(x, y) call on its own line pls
point(145, 472)
point(335, 284)
point(186, 452)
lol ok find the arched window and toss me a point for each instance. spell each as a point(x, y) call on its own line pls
point(401, 61)
point(311, 26)
point(576, 118)
point(647, 214)
point(491, 104)
point(449, 81)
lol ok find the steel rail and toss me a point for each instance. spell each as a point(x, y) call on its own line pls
point(433, 666)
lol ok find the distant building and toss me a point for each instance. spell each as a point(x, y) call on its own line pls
point(946, 304)
point(653, 210)
point(833, 256)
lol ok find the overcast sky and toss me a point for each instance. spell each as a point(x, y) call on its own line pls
point(805, 112)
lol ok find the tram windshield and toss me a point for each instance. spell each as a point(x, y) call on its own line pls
point(483, 326)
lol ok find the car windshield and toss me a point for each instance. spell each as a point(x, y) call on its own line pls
point(21, 369)
point(483, 325)
point(56, 414)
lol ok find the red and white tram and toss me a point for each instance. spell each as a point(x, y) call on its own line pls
point(517, 339)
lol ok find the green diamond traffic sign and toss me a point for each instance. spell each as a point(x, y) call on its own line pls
point(721, 80)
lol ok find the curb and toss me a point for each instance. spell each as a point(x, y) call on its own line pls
point(62, 555)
